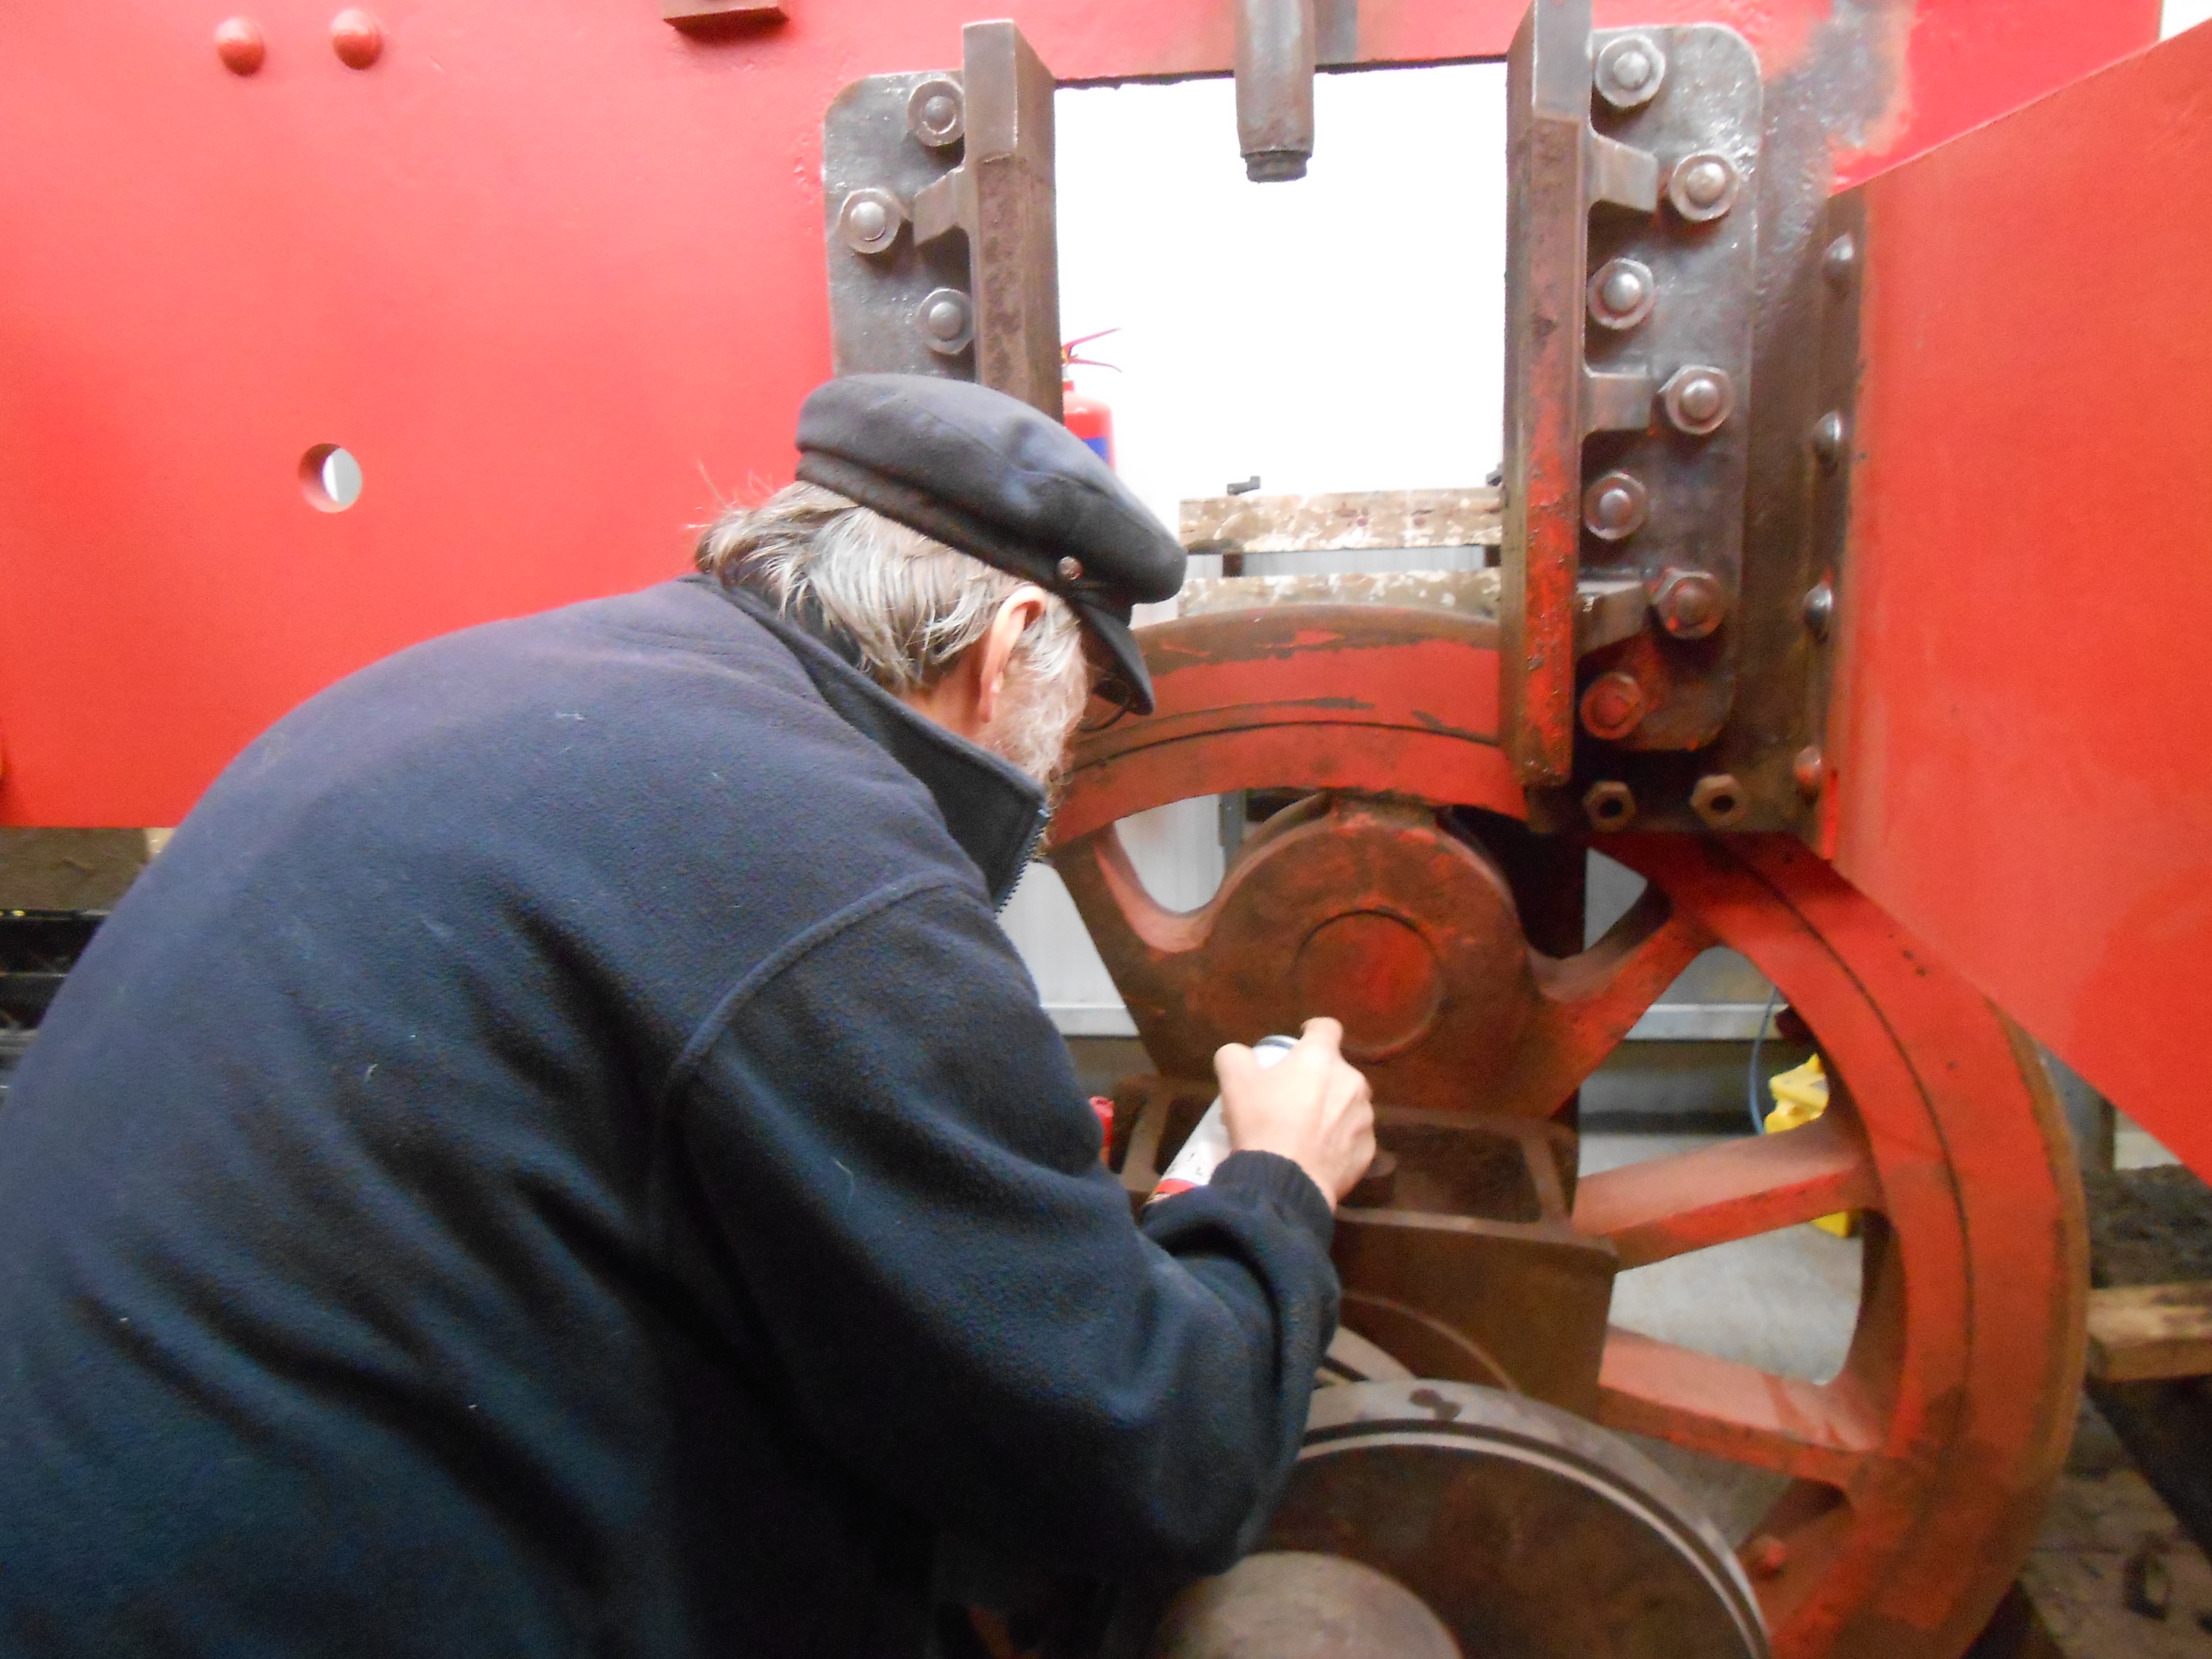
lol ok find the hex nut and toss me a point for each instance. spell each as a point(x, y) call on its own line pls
point(1609, 806)
point(1699, 399)
point(1704, 186)
point(1720, 800)
point(1630, 71)
point(947, 321)
point(870, 220)
point(1613, 705)
point(1690, 603)
point(1615, 507)
point(1621, 293)
point(936, 113)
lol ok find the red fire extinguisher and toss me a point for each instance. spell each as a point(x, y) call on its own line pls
point(1088, 419)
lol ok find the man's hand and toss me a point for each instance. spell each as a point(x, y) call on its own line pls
point(1310, 1107)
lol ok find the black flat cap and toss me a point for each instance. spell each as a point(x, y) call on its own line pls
point(988, 475)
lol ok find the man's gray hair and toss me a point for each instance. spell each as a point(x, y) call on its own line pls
point(908, 605)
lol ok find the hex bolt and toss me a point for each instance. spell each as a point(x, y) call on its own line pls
point(1720, 800)
point(1699, 399)
point(946, 320)
point(936, 113)
point(1621, 293)
point(357, 37)
point(1704, 186)
point(1828, 434)
point(1809, 770)
point(1690, 602)
point(1766, 1556)
point(1630, 71)
point(1841, 262)
point(1614, 706)
point(870, 219)
point(1819, 607)
point(1609, 806)
point(240, 45)
point(1615, 507)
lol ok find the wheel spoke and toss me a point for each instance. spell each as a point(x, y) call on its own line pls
point(1667, 1206)
point(1590, 1001)
point(1812, 1430)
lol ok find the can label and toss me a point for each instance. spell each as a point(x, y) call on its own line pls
point(1209, 1145)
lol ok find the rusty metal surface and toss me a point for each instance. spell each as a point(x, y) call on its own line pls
point(1916, 1473)
point(1368, 697)
point(1275, 59)
point(1325, 523)
point(1471, 593)
point(937, 203)
point(1425, 1482)
point(1459, 1256)
point(1548, 134)
point(1703, 122)
point(2013, 750)
point(1287, 1604)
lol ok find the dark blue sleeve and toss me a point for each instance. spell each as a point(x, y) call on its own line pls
point(907, 1175)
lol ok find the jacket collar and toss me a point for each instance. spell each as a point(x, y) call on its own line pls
point(994, 810)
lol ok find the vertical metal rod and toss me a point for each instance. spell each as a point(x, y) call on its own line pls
point(1275, 87)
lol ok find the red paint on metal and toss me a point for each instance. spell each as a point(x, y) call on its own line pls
point(2017, 773)
point(553, 273)
point(1921, 1468)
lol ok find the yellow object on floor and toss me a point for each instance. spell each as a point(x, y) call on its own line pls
point(1800, 1096)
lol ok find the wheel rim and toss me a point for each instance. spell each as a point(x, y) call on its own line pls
point(1919, 1472)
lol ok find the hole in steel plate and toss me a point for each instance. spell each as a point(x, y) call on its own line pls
point(329, 478)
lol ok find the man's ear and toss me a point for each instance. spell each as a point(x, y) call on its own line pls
point(1020, 611)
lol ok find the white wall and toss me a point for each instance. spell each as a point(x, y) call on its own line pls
point(2184, 15)
point(1343, 332)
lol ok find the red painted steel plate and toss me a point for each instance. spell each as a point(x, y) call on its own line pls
point(2020, 729)
point(552, 270)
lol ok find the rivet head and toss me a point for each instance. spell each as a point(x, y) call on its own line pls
point(1614, 706)
point(1828, 433)
point(240, 45)
point(1699, 399)
point(1609, 806)
point(870, 219)
point(946, 321)
point(1841, 262)
point(1809, 771)
point(1615, 507)
point(1630, 70)
point(1704, 186)
point(1071, 570)
point(1820, 608)
point(1766, 1556)
point(1690, 603)
point(357, 37)
point(935, 114)
point(1621, 293)
point(1720, 801)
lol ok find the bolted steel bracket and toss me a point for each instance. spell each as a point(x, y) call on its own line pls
point(1632, 281)
point(938, 190)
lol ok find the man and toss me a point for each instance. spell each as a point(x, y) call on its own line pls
point(558, 1156)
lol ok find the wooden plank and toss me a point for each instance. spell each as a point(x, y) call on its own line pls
point(2138, 1332)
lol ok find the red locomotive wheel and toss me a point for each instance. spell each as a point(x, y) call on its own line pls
point(1918, 1474)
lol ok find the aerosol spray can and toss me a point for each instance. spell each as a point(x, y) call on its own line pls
point(1202, 1154)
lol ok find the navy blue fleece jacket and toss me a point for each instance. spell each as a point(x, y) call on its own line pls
point(557, 1156)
